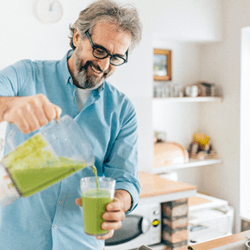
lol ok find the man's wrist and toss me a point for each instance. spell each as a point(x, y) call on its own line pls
point(125, 197)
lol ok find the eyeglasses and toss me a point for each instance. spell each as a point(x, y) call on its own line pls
point(101, 53)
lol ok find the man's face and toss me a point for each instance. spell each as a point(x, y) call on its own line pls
point(90, 72)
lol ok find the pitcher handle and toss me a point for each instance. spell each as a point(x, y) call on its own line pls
point(15, 130)
point(9, 140)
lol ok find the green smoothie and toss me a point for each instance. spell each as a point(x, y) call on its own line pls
point(94, 203)
point(34, 167)
point(34, 178)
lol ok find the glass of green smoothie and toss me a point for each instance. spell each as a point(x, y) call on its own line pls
point(96, 194)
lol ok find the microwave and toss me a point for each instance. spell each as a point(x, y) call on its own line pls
point(140, 227)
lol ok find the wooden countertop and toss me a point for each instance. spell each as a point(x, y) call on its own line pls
point(222, 241)
point(195, 200)
point(214, 244)
point(155, 186)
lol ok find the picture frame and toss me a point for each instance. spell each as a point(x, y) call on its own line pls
point(162, 65)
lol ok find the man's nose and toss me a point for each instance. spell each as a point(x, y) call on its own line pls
point(104, 64)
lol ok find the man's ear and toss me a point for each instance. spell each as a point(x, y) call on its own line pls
point(76, 38)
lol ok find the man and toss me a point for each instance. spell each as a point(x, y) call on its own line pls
point(35, 92)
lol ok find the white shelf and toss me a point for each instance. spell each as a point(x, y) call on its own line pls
point(192, 163)
point(188, 99)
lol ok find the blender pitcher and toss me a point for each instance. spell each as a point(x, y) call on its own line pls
point(52, 154)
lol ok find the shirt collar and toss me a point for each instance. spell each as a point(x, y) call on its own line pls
point(101, 87)
point(64, 66)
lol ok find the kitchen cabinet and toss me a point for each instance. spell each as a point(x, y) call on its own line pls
point(170, 103)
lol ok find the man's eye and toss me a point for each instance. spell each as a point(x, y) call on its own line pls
point(99, 51)
point(115, 58)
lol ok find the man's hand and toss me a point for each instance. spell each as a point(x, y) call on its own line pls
point(115, 213)
point(29, 113)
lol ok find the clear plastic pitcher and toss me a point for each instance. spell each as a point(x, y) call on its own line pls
point(59, 150)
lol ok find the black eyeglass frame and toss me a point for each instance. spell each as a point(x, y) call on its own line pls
point(94, 47)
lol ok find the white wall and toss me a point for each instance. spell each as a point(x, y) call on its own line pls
point(179, 120)
point(187, 20)
point(182, 26)
point(244, 121)
point(221, 64)
point(24, 36)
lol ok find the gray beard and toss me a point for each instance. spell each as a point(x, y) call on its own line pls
point(83, 79)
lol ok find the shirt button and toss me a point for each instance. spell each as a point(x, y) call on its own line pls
point(72, 98)
point(60, 202)
point(55, 226)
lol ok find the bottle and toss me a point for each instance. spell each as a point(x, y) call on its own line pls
point(57, 151)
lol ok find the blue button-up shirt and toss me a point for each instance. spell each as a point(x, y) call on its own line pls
point(51, 219)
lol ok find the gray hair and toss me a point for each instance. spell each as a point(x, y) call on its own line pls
point(125, 17)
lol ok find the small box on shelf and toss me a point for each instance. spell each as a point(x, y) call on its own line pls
point(169, 153)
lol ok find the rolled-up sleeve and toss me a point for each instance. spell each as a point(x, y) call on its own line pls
point(122, 163)
point(12, 78)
